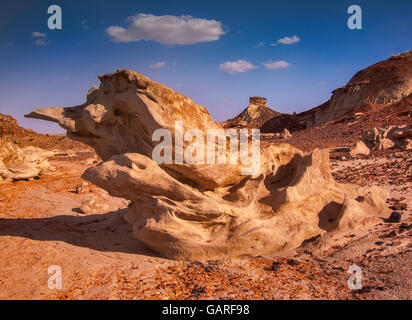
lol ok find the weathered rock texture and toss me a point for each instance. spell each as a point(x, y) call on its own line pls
point(382, 84)
point(194, 212)
point(23, 163)
point(256, 114)
point(122, 114)
point(382, 139)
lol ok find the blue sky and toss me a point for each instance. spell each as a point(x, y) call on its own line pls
point(41, 67)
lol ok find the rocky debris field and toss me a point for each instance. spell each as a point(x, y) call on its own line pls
point(390, 167)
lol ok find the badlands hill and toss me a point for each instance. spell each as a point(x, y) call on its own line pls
point(10, 127)
point(385, 85)
point(254, 115)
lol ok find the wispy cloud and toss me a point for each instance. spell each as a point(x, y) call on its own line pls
point(41, 38)
point(83, 24)
point(167, 29)
point(37, 34)
point(289, 40)
point(157, 65)
point(7, 44)
point(271, 65)
point(236, 66)
point(260, 44)
point(41, 42)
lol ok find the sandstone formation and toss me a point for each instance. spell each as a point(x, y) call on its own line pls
point(256, 114)
point(382, 139)
point(206, 211)
point(23, 163)
point(382, 84)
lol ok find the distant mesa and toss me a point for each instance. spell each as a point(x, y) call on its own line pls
point(255, 114)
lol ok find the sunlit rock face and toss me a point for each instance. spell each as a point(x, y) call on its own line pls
point(23, 163)
point(206, 211)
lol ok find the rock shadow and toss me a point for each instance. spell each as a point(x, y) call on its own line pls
point(108, 232)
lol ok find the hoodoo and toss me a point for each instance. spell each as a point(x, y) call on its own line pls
point(192, 212)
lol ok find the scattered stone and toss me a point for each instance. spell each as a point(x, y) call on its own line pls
point(359, 148)
point(93, 206)
point(292, 262)
point(399, 207)
point(312, 239)
point(285, 134)
point(395, 217)
point(84, 187)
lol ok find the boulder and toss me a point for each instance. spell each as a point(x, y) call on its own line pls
point(207, 211)
point(83, 187)
point(359, 148)
point(285, 134)
point(93, 206)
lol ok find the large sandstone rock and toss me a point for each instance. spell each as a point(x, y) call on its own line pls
point(23, 163)
point(122, 114)
point(206, 211)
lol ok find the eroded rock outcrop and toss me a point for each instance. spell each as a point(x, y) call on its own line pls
point(382, 139)
point(122, 114)
point(23, 163)
point(206, 211)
